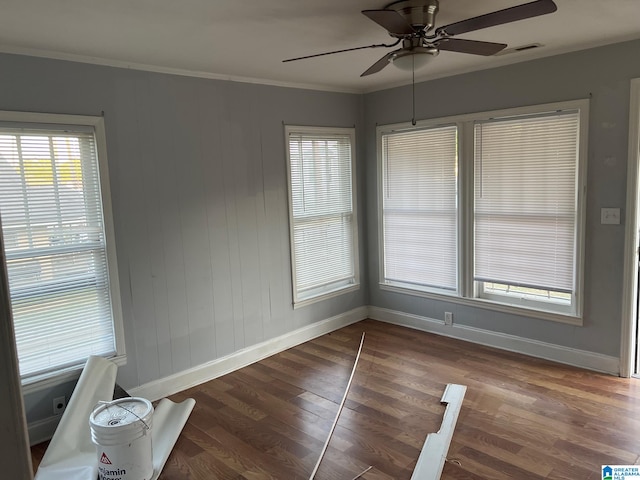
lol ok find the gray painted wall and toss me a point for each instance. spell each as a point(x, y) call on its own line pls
point(197, 169)
point(602, 74)
point(198, 182)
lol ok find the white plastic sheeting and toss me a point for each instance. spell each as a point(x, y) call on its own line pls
point(168, 421)
point(72, 456)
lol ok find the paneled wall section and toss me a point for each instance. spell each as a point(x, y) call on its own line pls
point(199, 193)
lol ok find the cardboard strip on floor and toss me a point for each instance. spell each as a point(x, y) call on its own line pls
point(335, 422)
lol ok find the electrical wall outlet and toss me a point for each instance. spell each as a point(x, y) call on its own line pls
point(59, 404)
point(448, 318)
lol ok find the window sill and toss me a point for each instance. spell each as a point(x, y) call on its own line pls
point(53, 379)
point(489, 305)
point(324, 296)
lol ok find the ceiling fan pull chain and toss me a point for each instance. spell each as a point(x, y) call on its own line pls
point(413, 89)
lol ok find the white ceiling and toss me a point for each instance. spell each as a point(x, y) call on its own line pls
point(248, 39)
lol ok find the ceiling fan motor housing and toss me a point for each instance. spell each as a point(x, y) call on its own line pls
point(421, 14)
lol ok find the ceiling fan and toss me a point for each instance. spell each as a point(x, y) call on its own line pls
point(413, 24)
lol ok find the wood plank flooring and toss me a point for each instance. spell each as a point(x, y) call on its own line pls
point(522, 418)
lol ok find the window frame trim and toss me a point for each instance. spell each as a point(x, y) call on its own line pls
point(466, 294)
point(347, 287)
point(95, 124)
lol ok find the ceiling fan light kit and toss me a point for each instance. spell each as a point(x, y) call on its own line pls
point(413, 59)
point(413, 22)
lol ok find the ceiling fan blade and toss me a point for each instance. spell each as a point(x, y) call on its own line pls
point(341, 51)
point(380, 64)
point(473, 47)
point(390, 20)
point(508, 15)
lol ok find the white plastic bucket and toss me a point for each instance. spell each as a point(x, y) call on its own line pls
point(121, 431)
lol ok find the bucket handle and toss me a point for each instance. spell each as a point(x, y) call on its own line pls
point(114, 404)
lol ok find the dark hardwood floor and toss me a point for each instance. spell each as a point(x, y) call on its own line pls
point(522, 418)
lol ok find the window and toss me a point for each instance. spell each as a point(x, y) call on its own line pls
point(420, 211)
point(525, 207)
point(322, 211)
point(488, 208)
point(55, 208)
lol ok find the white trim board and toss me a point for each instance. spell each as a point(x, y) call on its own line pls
point(512, 343)
point(15, 456)
point(434, 452)
point(630, 274)
point(42, 430)
point(180, 381)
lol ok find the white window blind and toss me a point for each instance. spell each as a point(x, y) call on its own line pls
point(52, 223)
point(526, 201)
point(419, 170)
point(322, 211)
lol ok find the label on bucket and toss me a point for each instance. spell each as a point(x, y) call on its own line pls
point(110, 474)
point(127, 462)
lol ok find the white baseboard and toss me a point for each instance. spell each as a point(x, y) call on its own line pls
point(175, 383)
point(512, 343)
point(42, 430)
